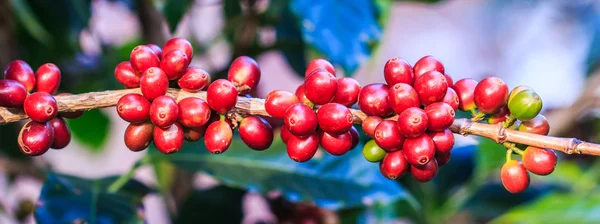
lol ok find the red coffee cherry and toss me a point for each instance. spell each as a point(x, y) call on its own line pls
point(217, 137)
point(302, 149)
point(372, 100)
point(194, 134)
point(142, 58)
point(35, 138)
point(62, 134)
point(319, 63)
point(154, 83)
point(164, 111)
point(221, 96)
point(355, 137)
point(412, 122)
point(168, 140)
point(40, 107)
point(244, 72)
point(538, 125)
point(284, 133)
point(69, 115)
point(441, 116)
point(334, 118)
point(20, 71)
point(401, 97)
point(347, 91)
point(194, 79)
point(388, 137)
point(193, 112)
point(514, 176)
point(451, 98)
point(126, 75)
point(256, 133)
point(320, 87)
point(419, 151)
point(336, 144)
point(431, 87)
point(450, 82)
point(394, 165)
point(174, 63)
point(539, 161)
point(300, 94)
point(12, 94)
point(181, 44)
point(490, 95)
point(138, 136)
point(369, 125)
point(156, 49)
point(443, 158)
point(465, 89)
point(443, 140)
point(278, 101)
point(133, 108)
point(215, 117)
point(426, 172)
point(427, 64)
point(47, 78)
point(300, 120)
point(499, 116)
point(398, 70)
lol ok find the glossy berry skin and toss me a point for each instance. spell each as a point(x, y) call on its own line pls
point(35, 138)
point(181, 44)
point(164, 111)
point(398, 70)
point(47, 78)
point(388, 137)
point(193, 112)
point(355, 137)
point(126, 75)
point(256, 133)
point(40, 106)
point(320, 87)
point(451, 98)
point(194, 134)
point(133, 108)
point(514, 176)
point(525, 105)
point(538, 125)
point(412, 122)
point(401, 97)
point(426, 172)
point(300, 120)
point(284, 134)
point(441, 116)
point(427, 64)
point(443, 140)
point(174, 64)
point(20, 71)
point(335, 144)
point(194, 79)
point(319, 63)
point(302, 149)
point(419, 151)
point(62, 134)
point(156, 49)
point(278, 101)
point(499, 116)
point(334, 118)
point(154, 83)
point(372, 100)
point(490, 95)
point(217, 137)
point(244, 72)
point(465, 89)
point(539, 161)
point(168, 140)
point(12, 94)
point(449, 80)
point(372, 152)
point(443, 158)
point(221, 96)
point(142, 58)
point(516, 90)
point(369, 125)
point(347, 91)
point(431, 87)
point(394, 165)
point(138, 136)
point(70, 115)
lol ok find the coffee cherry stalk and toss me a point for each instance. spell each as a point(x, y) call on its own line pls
point(410, 117)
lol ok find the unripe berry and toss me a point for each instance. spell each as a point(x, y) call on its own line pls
point(164, 111)
point(412, 122)
point(181, 44)
point(217, 137)
point(372, 152)
point(47, 78)
point(278, 101)
point(538, 125)
point(347, 91)
point(443, 158)
point(451, 98)
point(431, 87)
point(427, 64)
point(300, 120)
point(387, 136)
point(40, 106)
point(133, 108)
point(174, 63)
point(372, 100)
point(244, 72)
point(300, 94)
point(539, 161)
point(514, 176)
point(35, 138)
point(62, 134)
point(518, 89)
point(443, 140)
point(490, 95)
point(398, 70)
point(369, 125)
point(168, 140)
point(302, 149)
point(334, 118)
point(394, 165)
point(126, 75)
point(154, 83)
point(419, 151)
point(441, 116)
point(525, 105)
point(319, 63)
point(20, 71)
point(221, 96)
point(156, 49)
point(401, 97)
point(355, 137)
point(12, 94)
point(194, 79)
point(194, 134)
point(284, 133)
point(69, 115)
point(426, 172)
point(256, 133)
point(465, 88)
point(320, 87)
point(193, 112)
point(138, 136)
point(142, 58)
point(336, 144)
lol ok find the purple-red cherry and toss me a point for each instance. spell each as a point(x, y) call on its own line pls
point(20, 71)
point(244, 73)
point(40, 106)
point(47, 78)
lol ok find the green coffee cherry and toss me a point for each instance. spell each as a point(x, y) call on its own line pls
point(372, 152)
point(525, 105)
point(516, 90)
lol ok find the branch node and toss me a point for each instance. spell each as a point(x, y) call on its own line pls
point(501, 134)
point(465, 127)
point(572, 146)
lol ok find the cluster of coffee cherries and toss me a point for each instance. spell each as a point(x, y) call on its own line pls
point(34, 93)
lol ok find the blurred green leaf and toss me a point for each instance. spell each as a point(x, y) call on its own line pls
point(91, 129)
point(289, 37)
point(174, 10)
point(489, 157)
point(220, 204)
point(30, 21)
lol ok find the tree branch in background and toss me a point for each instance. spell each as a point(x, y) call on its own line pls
point(152, 22)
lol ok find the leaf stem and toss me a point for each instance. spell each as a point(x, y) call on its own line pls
point(121, 181)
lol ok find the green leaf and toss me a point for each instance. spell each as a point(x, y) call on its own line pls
point(29, 20)
point(220, 204)
point(91, 129)
point(489, 157)
point(173, 10)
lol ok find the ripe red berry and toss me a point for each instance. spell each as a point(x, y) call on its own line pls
point(62, 134)
point(164, 111)
point(355, 137)
point(449, 80)
point(538, 125)
point(490, 95)
point(412, 122)
point(441, 116)
point(256, 133)
point(372, 100)
point(302, 149)
point(142, 58)
point(301, 120)
point(334, 118)
point(20, 71)
point(174, 63)
point(194, 134)
point(336, 144)
point(388, 137)
point(35, 138)
point(181, 44)
point(514, 176)
point(393, 165)
point(133, 108)
point(539, 161)
point(244, 72)
point(193, 112)
point(320, 87)
point(369, 125)
point(12, 94)
point(278, 101)
point(221, 96)
point(70, 115)
point(300, 94)
point(431, 87)
point(154, 83)
point(451, 98)
point(217, 137)
point(319, 63)
point(168, 140)
point(427, 64)
point(47, 78)
point(465, 89)
point(443, 140)
point(402, 96)
point(347, 91)
point(156, 49)
point(398, 70)
point(499, 116)
point(126, 75)
point(40, 106)
point(426, 172)
point(194, 79)
point(284, 133)
point(138, 136)
point(419, 151)
point(443, 158)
